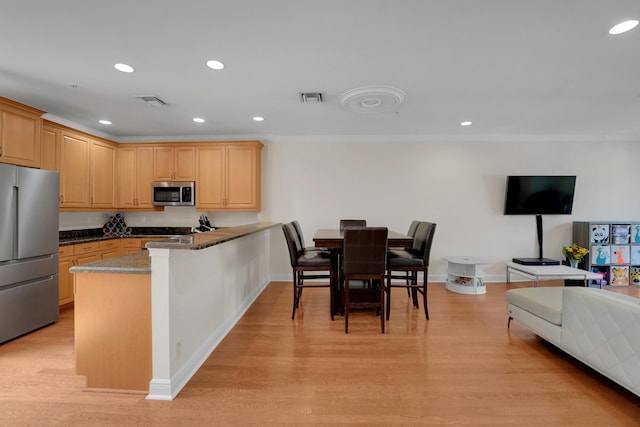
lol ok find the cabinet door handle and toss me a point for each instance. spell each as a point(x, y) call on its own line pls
point(0, 151)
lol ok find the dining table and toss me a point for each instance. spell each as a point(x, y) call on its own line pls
point(333, 239)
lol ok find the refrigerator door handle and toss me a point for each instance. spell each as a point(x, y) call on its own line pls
point(8, 227)
point(16, 218)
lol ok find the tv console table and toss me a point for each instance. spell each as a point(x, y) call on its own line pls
point(536, 273)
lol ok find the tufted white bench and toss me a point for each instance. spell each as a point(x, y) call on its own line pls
point(597, 327)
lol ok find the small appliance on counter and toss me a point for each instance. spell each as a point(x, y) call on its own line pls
point(205, 225)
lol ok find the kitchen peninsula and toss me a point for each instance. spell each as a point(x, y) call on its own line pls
point(146, 323)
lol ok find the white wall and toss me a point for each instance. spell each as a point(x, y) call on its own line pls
point(460, 186)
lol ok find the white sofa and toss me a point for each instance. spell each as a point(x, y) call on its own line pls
point(600, 328)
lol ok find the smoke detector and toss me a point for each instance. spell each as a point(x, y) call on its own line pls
point(310, 97)
point(152, 101)
point(372, 99)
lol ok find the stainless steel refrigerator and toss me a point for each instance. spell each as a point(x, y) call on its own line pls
point(28, 250)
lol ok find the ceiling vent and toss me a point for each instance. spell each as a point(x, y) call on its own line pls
point(372, 99)
point(310, 97)
point(152, 101)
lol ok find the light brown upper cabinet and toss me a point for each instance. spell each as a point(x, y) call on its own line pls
point(228, 176)
point(87, 172)
point(20, 134)
point(74, 170)
point(50, 147)
point(174, 163)
point(102, 175)
point(135, 175)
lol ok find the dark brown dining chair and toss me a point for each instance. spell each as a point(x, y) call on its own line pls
point(411, 233)
point(307, 265)
point(296, 226)
point(364, 265)
point(412, 261)
point(412, 228)
point(352, 223)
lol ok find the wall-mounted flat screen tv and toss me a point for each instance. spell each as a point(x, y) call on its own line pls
point(539, 195)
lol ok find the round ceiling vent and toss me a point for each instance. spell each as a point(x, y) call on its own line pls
point(372, 99)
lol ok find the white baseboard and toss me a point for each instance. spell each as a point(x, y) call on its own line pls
point(437, 278)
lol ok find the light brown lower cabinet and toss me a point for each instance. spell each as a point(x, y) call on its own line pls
point(110, 248)
point(132, 245)
point(78, 254)
point(113, 330)
point(66, 260)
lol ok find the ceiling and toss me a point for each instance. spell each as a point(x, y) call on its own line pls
point(518, 69)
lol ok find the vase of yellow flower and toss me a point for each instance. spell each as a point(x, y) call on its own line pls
point(574, 254)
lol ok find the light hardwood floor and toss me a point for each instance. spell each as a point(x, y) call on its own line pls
point(461, 367)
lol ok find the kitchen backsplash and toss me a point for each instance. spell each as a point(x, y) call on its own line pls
point(181, 216)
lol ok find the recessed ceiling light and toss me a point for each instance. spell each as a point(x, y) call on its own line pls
point(258, 119)
point(623, 27)
point(104, 122)
point(216, 65)
point(466, 123)
point(124, 68)
point(198, 120)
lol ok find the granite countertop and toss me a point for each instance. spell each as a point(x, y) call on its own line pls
point(140, 263)
point(93, 235)
point(210, 238)
point(136, 263)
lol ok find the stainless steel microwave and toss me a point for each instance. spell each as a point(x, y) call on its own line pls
point(173, 193)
